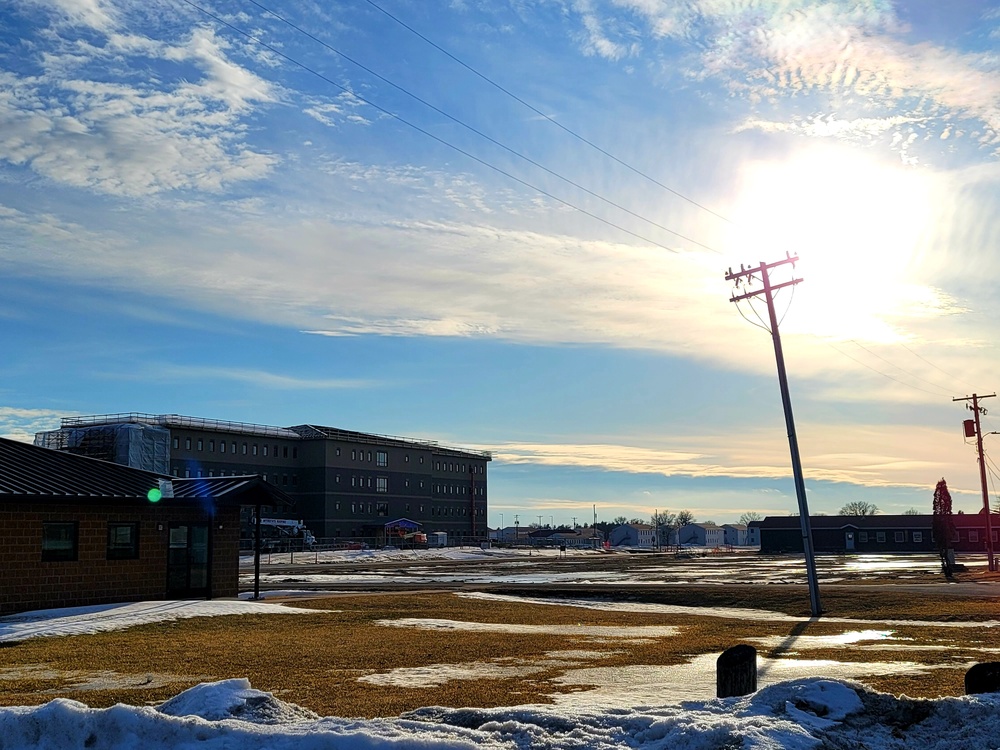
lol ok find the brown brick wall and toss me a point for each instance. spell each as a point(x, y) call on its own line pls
point(28, 583)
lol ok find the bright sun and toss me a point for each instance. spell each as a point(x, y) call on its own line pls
point(858, 226)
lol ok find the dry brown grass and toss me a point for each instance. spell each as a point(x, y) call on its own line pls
point(315, 659)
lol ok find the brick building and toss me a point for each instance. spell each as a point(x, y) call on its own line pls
point(344, 484)
point(79, 531)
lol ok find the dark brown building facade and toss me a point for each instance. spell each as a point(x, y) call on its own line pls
point(345, 484)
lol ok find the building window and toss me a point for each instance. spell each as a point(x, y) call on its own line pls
point(437, 466)
point(406, 458)
point(222, 446)
point(295, 452)
point(295, 480)
point(176, 443)
point(265, 450)
point(187, 443)
point(918, 536)
point(336, 506)
point(337, 480)
point(421, 484)
point(406, 482)
point(123, 541)
point(275, 451)
point(338, 450)
point(900, 536)
point(369, 455)
point(354, 507)
point(211, 472)
point(187, 473)
point(381, 458)
point(284, 451)
point(234, 447)
point(382, 484)
point(254, 450)
point(862, 536)
point(354, 454)
point(284, 480)
point(354, 481)
point(369, 481)
point(201, 444)
point(199, 473)
point(382, 509)
point(59, 541)
point(973, 536)
point(244, 449)
point(879, 536)
point(421, 459)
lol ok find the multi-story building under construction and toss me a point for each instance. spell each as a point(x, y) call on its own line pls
point(345, 484)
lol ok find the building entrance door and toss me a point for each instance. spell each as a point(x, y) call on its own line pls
point(849, 541)
point(187, 560)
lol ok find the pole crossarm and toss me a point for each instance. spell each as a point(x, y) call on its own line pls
point(774, 288)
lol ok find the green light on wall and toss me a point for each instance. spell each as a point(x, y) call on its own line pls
point(154, 495)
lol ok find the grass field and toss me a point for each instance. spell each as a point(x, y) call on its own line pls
point(316, 659)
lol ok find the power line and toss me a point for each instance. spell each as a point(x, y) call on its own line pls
point(904, 371)
point(477, 131)
point(953, 377)
point(427, 133)
point(873, 369)
point(551, 119)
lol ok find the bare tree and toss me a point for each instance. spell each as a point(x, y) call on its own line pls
point(859, 508)
point(750, 515)
point(685, 517)
point(911, 512)
point(619, 520)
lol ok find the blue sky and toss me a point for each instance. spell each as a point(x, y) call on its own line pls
point(206, 210)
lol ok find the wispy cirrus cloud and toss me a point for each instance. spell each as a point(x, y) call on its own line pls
point(258, 378)
point(863, 455)
point(839, 51)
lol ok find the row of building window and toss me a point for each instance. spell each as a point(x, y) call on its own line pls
point(445, 466)
point(382, 509)
point(60, 541)
point(252, 449)
point(899, 536)
point(452, 489)
point(275, 479)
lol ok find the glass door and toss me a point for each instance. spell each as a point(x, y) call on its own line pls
point(187, 560)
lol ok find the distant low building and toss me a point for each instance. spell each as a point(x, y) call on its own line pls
point(876, 534)
point(633, 535)
point(702, 535)
point(735, 534)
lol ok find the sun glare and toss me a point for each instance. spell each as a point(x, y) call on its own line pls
point(857, 225)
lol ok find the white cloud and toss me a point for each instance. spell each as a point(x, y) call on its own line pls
point(134, 138)
point(259, 378)
point(22, 424)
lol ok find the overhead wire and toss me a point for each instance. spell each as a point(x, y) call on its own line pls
point(548, 117)
point(442, 141)
point(901, 369)
point(950, 375)
point(477, 131)
point(883, 374)
point(534, 163)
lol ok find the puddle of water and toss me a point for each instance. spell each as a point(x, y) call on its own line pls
point(794, 642)
point(604, 632)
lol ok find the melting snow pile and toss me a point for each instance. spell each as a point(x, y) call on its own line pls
point(799, 714)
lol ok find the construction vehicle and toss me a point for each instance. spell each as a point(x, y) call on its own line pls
point(281, 535)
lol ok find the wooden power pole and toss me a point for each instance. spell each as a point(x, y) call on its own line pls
point(746, 276)
point(976, 410)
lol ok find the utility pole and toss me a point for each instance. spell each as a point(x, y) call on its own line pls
point(976, 410)
point(745, 276)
